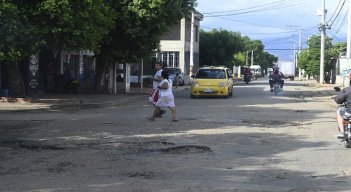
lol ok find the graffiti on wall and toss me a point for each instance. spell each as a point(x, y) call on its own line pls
point(345, 67)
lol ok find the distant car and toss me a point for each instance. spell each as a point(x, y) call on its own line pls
point(172, 73)
point(212, 81)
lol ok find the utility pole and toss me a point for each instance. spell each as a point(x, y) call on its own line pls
point(247, 58)
point(252, 57)
point(348, 50)
point(297, 57)
point(322, 29)
point(192, 43)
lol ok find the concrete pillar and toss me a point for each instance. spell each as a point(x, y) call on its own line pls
point(126, 79)
point(110, 79)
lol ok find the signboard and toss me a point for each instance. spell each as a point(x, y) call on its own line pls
point(33, 80)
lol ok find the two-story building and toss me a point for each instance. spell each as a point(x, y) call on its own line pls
point(179, 47)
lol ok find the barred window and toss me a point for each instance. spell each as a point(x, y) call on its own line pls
point(169, 59)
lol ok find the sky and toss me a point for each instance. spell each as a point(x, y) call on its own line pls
point(276, 22)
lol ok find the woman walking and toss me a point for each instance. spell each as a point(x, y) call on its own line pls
point(166, 98)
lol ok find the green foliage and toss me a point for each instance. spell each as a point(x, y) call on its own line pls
point(139, 26)
point(217, 47)
point(18, 36)
point(74, 25)
point(309, 58)
point(222, 47)
point(239, 59)
point(58, 24)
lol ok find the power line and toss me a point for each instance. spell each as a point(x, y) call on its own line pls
point(341, 24)
point(335, 10)
point(250, 23)
point(281, 49)
point(244, 8)
point(338, 13)
point(253, 11)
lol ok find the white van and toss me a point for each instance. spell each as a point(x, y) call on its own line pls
point(256, 69)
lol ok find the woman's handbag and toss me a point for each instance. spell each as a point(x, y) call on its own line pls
point(154, 94)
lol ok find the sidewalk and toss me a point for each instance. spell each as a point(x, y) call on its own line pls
point(72, 101)
point(314, 83)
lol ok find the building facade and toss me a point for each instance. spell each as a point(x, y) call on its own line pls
point(179, 46)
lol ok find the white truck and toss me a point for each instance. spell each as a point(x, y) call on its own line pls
point(287, 68)
point(256, 70)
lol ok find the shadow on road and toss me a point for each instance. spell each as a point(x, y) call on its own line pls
point(219, 145)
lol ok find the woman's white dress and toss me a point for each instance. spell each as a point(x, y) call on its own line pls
point(166, 95)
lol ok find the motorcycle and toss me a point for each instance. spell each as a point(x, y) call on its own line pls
point(347, 126)
point(276, 88)
point(247, 78)
point(276, 85)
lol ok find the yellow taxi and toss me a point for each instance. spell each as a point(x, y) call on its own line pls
point(212, 81)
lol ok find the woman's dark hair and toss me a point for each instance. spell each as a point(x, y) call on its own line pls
point(165, 74)
point(159, 63)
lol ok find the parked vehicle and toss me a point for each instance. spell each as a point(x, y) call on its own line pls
point(212, 81)
point(173, 71)
point(256, 70)
point(287, 68)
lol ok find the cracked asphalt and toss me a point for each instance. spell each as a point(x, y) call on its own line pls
point(253, 141)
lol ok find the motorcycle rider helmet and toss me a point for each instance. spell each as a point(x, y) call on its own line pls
point(275, 69)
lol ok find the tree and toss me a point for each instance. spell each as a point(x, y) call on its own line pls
point(239, 59)
point(221, 47)
point(267, 60)
point(28, 26)
point(218, 47)
point(309, 58)
point(139, 26)
point(73, 25)
point(18, 38)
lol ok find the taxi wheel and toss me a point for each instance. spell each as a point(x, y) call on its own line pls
point(192, 96)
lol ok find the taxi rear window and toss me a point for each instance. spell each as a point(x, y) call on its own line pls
point(210, 74)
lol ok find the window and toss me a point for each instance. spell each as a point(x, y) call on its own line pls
point(72, 67)
point(210, 74)
point(196, 33)
point(169, 59)
point(89, 68)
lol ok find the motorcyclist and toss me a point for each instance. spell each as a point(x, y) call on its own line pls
point(247, 74)
point(276, 77)
point(344, 97)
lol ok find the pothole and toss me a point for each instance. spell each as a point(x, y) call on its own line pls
point(186, 149)
point(29, 144)
point(266, 122)
point(61, 167)
point(141, 174)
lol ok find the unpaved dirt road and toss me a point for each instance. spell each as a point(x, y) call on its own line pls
point(253, 141)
